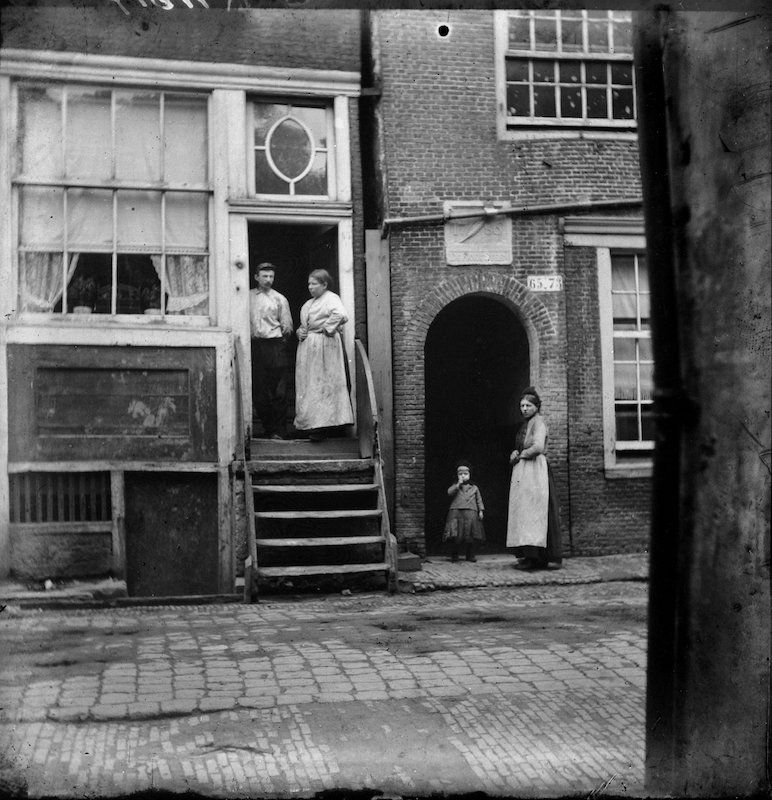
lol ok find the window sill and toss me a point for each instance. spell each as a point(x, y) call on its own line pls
point(530, 133)
point(111, 320)
point(626, 471)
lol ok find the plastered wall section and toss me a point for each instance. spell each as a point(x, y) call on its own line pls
point(311, 39)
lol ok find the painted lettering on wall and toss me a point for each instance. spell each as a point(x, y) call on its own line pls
point(545, 283)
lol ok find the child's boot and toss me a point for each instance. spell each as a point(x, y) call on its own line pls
point(470, 554)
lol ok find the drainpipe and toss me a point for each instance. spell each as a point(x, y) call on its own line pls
point(514, 211)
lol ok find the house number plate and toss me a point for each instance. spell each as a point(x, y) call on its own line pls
point(545, 283)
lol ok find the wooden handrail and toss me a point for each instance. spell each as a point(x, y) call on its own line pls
point(367, 409)
point(250, 564)
point(369, 447)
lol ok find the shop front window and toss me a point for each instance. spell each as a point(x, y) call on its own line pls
point(113, 201)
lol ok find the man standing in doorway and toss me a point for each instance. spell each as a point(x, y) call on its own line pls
point(270, 324)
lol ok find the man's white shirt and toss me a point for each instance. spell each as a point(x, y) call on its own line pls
point(269, 315)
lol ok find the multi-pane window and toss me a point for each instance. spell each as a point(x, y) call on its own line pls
point(569, 69)
point(632, 355)
point(113, 200)
point(292, 143)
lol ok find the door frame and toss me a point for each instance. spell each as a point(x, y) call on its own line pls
point(239, 290)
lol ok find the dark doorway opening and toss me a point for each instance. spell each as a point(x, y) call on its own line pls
point(477, 361)
point(295, 250)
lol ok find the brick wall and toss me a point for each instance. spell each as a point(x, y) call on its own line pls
point(270, 37)
point(439, 121)
point(607, 515)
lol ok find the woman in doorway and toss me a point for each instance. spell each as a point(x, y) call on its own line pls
point(322, 398)
point(533, 526)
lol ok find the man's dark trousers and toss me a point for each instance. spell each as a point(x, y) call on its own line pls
point(269, 384)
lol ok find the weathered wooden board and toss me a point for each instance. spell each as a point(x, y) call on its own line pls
point(171, 532)
point(113, 403)
point(64, 555)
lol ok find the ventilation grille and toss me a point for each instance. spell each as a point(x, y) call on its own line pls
point(60, 497)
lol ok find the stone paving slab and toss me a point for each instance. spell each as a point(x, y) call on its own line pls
point(406, 695)
point(438, 572)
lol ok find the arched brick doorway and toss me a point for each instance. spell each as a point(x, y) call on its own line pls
point(476, 360)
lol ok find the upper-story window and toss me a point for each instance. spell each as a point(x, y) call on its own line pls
point(292, 149)
point(567, 70)
point(113, 196)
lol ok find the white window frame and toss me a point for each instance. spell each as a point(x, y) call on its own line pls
point(547, 127)
point(330, 149)
point(113, 185)
point(605, 235)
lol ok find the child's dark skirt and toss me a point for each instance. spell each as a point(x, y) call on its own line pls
point(463, 525)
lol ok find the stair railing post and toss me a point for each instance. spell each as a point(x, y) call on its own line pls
point(369, 447)
point(250, 563)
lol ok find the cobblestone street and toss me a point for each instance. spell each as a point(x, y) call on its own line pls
point(519, 691)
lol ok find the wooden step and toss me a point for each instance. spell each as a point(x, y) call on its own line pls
point(321, 569)
point(314, 488)
point(262, 449)
point(320, 541)
point(267, 466)
point(342, 514)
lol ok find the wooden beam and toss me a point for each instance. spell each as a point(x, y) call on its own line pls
point(379, 350)
point(5, 487)
point(49, 528)
point(118, 497)
point(109, 466)
point(225, 531)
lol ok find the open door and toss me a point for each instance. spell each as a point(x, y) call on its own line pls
point(295, 250)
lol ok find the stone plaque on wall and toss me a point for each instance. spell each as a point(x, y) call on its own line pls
point(477, 240)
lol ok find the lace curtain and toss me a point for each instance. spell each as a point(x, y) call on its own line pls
point(41, 279)
point(187, 283)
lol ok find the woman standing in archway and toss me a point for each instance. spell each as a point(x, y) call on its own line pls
point(533, 524)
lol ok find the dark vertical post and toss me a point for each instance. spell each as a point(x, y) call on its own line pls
point(703, 82)
point(663, 602)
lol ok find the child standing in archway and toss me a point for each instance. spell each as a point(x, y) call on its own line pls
point(464, 523)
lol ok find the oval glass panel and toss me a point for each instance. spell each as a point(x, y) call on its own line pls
point(291, 148)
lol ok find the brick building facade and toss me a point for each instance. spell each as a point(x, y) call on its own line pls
point(444, 143)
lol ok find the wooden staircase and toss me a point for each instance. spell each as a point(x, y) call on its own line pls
point(316, 511)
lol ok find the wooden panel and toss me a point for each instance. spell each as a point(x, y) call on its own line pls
point(108, 402)
point(225, 531)
point(116, 403)
point(171, 534)
point(118, 531)
point(60, 555)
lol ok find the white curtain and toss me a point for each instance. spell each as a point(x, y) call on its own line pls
point(187, 283)
point(41, 279)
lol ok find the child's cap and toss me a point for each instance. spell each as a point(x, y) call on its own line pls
point(463, 463)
